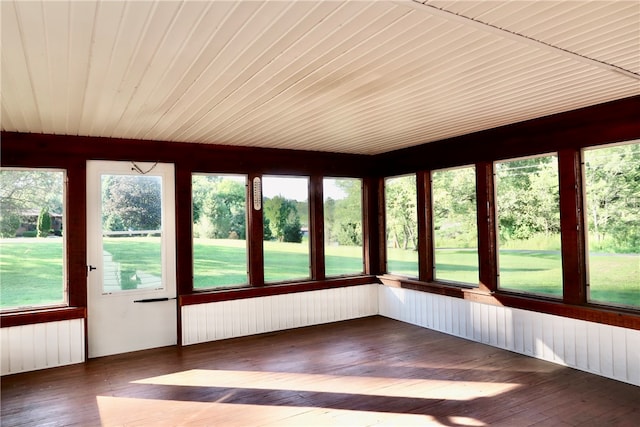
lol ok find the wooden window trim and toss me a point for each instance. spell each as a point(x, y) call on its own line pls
point(44, 315)
point(589, 312)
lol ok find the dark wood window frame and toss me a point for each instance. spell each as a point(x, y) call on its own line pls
point(564, 133)
point(71, 153)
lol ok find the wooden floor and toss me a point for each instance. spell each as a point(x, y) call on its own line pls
point(372, 371)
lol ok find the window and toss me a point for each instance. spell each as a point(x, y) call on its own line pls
point(32, 246)
point(612, 187)
point(343, 226)
point(401, 215)
point(455, 228)
point(286, 228)
point(528, 216)
point(219, 230)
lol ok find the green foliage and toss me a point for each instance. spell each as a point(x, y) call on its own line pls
point(22, 190)
point(527, 198)
point(219, 207)
point(266, 229)
point(612, 182)
point(44, 222)
point(25, 193)
point(9, 223)
point(402, 212)
point(343, 217)
point(454, 208)
point(131, 202)
point(283, 218)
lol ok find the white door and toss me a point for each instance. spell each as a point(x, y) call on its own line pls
point(131, 257)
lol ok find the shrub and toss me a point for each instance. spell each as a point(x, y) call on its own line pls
point(44, 222)
point(9, 224)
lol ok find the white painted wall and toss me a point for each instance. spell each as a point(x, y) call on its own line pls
point(41, 345)
point(604, 350)
point(227, 319)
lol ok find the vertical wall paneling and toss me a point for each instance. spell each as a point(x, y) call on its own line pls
point(605, 350)
point(227, 319)
point(41, 345)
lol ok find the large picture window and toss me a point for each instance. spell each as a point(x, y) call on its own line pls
point(401, 213)
point(219, 231)
point(32, 242)
point(455, 228)
point(612, 187)
point(343, 226)
point(286, 228)
point(528, 216)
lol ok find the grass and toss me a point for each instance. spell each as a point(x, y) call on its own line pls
point(31, 269)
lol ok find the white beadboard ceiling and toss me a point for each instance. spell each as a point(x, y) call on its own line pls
point(342, 76)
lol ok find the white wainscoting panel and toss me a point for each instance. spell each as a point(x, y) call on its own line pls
point(228, 319)
point(605, 350)
point(41, 345)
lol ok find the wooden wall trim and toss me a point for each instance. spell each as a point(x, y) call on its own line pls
point(426, 258)
point(23, 149)
point(593, 313)
point(276, 289)
point(573, 242)
point(255, 235)
point(373, 225)
point(316, 222)
point(8, 320)
point(487, 227)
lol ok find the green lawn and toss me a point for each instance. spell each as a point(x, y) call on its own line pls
point(31, 269)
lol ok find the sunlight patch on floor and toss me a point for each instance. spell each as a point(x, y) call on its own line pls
point(151, 412)
point(373, 386)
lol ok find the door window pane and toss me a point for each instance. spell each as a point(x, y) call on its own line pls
point(32, 246)
point(528, 211)
point(401, 225)
point(612, 186)
point(286, 228)
point(131, 232)
point(455, 227)
point(343, 226)
point(219, 230)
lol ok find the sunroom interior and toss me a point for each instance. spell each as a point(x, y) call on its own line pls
point(438, 163)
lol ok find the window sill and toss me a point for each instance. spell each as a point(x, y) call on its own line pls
point(44, 315)
point(589, 312)
point(228, 294)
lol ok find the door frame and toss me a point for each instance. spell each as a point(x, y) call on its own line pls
point(165, 300)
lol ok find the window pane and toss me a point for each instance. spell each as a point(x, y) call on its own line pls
point(286, 228)
point(455, 225)
point(529, 225)
point(219, 230)
point(342, 226)
point(402, 225)
point(612, 184)
point(32, 249)
point(131, 232)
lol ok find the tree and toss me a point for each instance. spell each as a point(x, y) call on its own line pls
point(44, 222)
point(26, 191)
point(283, 218)
point(348, 213)
point(401, 212)
point(219, 207)
point(9, 223)
point(528, 198)
point(613, 197)
point(132, 202)
point(454, 207)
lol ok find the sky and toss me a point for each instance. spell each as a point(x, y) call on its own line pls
point(297, 188)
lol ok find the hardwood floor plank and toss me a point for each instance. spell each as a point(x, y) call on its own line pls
point(366, 372)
